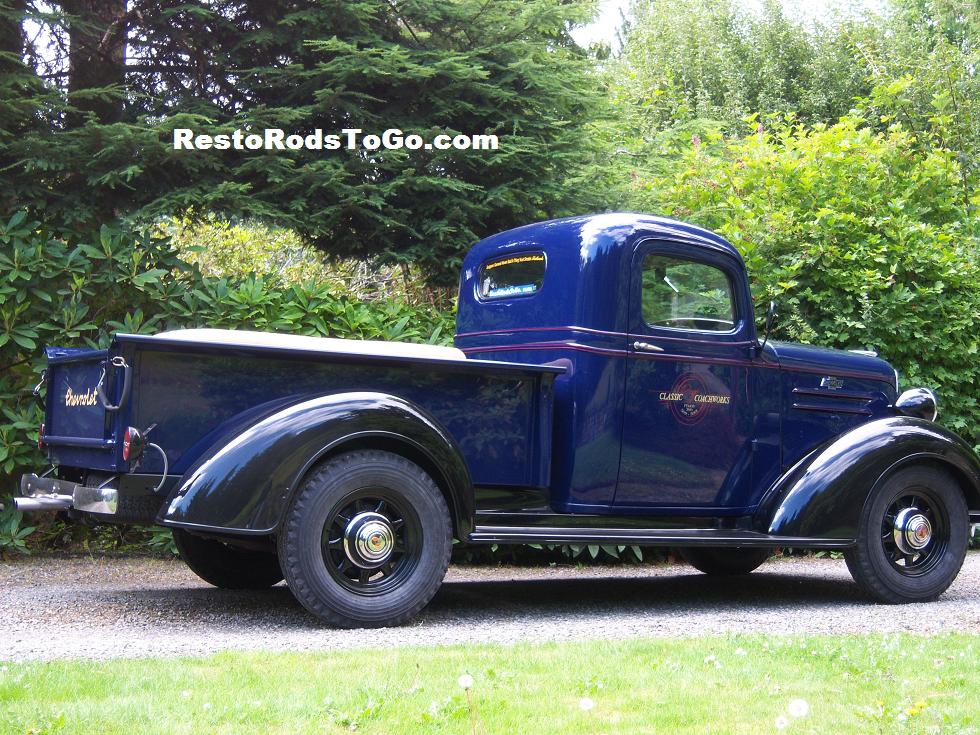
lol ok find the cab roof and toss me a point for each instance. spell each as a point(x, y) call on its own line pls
point(593, 230)
point(587, 273)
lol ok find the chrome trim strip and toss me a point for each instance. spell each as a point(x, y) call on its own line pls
point(832, 409)
point(701, 536)
point(603, 333)
point(684, 358)
point(839, 394)
point(78, 441)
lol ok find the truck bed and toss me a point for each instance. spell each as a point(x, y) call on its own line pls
point(199, 387)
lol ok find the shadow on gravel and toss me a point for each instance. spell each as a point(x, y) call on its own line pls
point(618, 595)
point(512, 601)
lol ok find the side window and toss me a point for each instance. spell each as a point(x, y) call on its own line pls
point(684, 294)
point(515, 275)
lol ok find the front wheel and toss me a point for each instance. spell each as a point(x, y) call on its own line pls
point(366, 540)
point(912, 537)
point(725, 561)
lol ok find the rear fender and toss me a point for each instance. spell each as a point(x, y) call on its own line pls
point(244, 483)
point(822, 496)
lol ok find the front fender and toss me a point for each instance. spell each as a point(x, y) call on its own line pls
point(822, 496)
point(244, 483)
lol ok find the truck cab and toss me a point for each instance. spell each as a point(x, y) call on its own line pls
point(669, 404)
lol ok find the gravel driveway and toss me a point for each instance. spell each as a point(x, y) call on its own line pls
point(108, 608)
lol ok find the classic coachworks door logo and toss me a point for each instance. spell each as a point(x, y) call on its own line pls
point(689, 399)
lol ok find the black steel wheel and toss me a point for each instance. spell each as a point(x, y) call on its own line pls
point(725, 561)
point(912, 537)
point(371, 541)
point(226, 566)
point(366, 540)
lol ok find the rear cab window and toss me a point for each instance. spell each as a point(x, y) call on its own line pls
point(512, 276)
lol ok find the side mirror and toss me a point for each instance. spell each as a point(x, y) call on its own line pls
point(771, 316)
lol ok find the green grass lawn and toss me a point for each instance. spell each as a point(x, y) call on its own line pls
point(736, 684)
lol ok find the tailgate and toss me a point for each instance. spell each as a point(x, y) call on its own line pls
point(78, 430)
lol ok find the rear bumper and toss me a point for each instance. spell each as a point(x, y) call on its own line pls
point(52, 494)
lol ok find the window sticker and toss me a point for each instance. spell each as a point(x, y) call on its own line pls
point(537, 258)
point(513, 276)
point(504, 291)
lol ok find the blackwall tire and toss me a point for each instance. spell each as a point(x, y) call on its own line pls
point(366, 540)
point(725, 561)
point(226, 566)
point(884, 563)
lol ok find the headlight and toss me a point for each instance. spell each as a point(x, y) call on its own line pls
point(918, 402)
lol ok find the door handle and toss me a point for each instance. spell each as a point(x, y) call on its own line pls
point(646, 347)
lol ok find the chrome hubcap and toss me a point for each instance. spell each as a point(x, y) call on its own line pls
point(912, 531)
point(369, 540)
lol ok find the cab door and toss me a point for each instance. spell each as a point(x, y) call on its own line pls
point(688, 412)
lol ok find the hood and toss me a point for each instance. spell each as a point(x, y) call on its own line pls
point(832, 362)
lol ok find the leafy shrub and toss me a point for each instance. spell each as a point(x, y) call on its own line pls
point(541, 554)
point(13, 536)
point(860, 236)
point(160, 541)
point(235, 250)
point(219, 248)
point(66, 288)
point(719, 59)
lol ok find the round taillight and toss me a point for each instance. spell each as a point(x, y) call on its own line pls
point(133, 444)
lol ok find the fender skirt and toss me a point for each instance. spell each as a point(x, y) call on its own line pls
point(243, 485)
point(823, 494)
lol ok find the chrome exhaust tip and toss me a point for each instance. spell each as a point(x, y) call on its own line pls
point(52, 494)
point(48, 503)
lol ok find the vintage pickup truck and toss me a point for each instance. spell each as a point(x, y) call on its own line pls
point(607, 387)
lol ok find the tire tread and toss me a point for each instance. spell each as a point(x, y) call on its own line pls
point(225, 566)
point(859, 556)
point(725, 561)
point(302, 504)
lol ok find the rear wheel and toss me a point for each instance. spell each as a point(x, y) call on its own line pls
point(366, 540)
point(226, 566)
point(725, 561)
point(912, 537)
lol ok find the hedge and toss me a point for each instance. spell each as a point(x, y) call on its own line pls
point(59, 287)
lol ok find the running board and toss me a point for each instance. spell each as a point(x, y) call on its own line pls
point(646, 537)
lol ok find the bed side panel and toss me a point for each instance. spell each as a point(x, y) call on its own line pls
point(192, 397)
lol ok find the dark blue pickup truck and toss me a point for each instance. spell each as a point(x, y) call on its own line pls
point(607, 387)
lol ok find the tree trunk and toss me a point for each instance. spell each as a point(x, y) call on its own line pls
point(11, 35)
point(96, 57)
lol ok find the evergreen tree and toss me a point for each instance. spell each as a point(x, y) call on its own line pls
point(95, 139)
